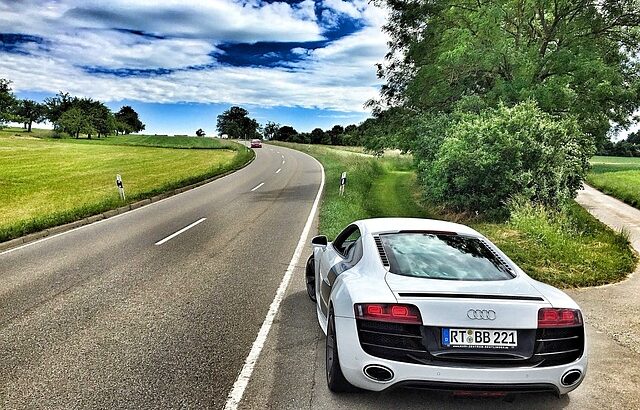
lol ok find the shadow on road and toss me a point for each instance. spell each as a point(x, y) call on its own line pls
point(424, 399)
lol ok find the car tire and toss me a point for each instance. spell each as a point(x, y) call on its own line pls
point(336, 381)
point(310, 278)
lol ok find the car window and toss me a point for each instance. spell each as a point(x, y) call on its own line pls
point(443, 256)
point(346, 239)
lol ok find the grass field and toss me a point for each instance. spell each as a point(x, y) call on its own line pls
point(46, 182)
point(618, 177)
point(568, 249)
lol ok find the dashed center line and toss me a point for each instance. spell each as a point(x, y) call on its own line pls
point(258, 186)
point(283, 162)
point(278, 171)
point(173, 235)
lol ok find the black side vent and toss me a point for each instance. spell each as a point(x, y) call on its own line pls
point(498, 257)
point(381, 252)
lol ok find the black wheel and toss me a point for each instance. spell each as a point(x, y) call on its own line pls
point(310, 278)
point(335, 379)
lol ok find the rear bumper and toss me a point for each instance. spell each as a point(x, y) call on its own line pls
point(353, 359)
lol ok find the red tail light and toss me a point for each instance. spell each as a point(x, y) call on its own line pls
point(551, 317)
point(388, 313)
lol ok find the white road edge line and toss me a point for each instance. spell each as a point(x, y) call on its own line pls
point(186, 228)
point(258, 186)
point(235, 396)
point(278, 171)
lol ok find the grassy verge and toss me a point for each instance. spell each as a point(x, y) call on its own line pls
point(46, 182)
point(137, 140)
point(618, 177)
point(159, 142)
point(567, 249)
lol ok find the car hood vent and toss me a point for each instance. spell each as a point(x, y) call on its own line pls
point(381, 252)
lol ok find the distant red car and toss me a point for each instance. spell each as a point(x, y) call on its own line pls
point(256, 143)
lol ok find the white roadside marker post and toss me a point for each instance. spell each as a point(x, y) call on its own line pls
point(120, 186)
point(343, 182)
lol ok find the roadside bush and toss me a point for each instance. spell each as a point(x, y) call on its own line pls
point(489, 157)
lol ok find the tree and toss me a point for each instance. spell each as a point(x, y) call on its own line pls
point(270, 130)
point(576, 57)
point(286, 133)
point(317, 136)
point(236, 123)
point(634, 138)
point(58, 105)
point(128, 120)
point(200, 133)
point(29, 111)
point(74, 122)
point(100, 116)
point(336, 134)
point(7, 101)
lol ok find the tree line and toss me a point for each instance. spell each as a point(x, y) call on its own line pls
point(628, 147)
point(236, 123)
point(69, 114)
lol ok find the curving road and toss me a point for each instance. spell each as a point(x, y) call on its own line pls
point(137, 311)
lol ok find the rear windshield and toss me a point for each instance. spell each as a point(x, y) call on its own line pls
point(442, 256)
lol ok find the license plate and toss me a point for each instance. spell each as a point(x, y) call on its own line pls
point(479, 338)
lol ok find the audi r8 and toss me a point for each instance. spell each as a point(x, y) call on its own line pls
point(432, 304)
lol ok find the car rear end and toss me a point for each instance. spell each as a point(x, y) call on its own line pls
point(470, 336)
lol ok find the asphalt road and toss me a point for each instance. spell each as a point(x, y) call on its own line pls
point(104, 317)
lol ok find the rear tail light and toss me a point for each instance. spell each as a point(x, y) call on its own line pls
point(388, 312)
point(552, 317)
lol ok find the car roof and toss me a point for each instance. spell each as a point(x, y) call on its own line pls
point(381, 225)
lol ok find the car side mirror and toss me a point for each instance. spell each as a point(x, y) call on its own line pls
point(320, 241)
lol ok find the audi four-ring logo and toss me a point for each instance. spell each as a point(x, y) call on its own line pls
point(481, 314)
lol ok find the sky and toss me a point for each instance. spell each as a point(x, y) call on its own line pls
point(180, 63)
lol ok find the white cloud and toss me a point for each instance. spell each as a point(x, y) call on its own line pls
point(340, 76)
point(219, 20)
point(352, 9)
point(124, 50)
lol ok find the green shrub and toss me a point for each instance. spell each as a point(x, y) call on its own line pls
point(489, 157)
point(565, 248)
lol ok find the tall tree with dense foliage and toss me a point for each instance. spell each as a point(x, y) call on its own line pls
point(75, 122)
point(128, 120)
point(58, 105)
point(29, 111)
point(270, 130)
point(286, 133)
point(7, 101)
point(317, 136)
point(575, 57)
point(236, 123)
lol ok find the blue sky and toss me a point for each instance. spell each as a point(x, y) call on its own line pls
point(179, 63)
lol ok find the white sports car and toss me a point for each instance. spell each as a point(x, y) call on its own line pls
point(433, 304)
